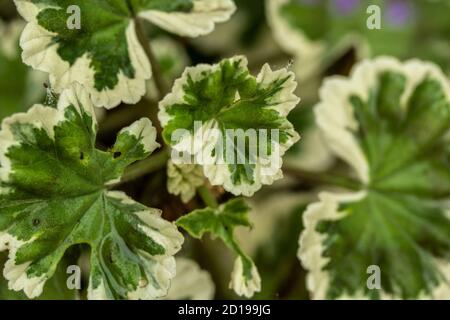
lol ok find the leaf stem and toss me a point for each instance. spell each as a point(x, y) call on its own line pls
point(324, 178)
point(149, 165)
point(208, 198)
point(156, 69)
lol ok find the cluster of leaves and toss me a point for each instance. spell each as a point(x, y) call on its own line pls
point(62, 190)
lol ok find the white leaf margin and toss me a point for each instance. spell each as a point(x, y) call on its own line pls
point(162, 268)
point(191, 282)
point(184, 179)
point(240, 284)
point(336, 120)
point(334, 113)
point(266, 170)
point(307, 53)
point(42, 117)
point(16, 275)
point(200, 21)
point(144, 132)
point(40, 53)
point(159, 268)
point(48, 118)
point(311, 249)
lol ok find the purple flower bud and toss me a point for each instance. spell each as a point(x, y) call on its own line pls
point(399, 12)
point(345, 7)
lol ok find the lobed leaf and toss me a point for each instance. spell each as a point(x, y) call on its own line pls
point(232, 124)
point(54, 195)
point(104, 54)
point(184, 179)
point(55, 289)
point(389, 122)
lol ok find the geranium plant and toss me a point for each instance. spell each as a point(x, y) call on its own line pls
point(143, 158)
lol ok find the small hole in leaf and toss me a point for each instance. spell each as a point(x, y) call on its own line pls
point(36, 222)
point(117, 154)
point(81, 155)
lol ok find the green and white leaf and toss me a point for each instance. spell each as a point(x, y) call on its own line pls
point(105, 55)
point(20, 86)
point(191, 282)
point(240, 33)
point(53, 195)
point(198, 17)
point(389, 122)
point(55, 289)
point(211, 106)
point(184, 179)
point(220, 223)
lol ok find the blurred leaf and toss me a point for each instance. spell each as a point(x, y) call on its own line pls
point(390, 123)
point(408, 28)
